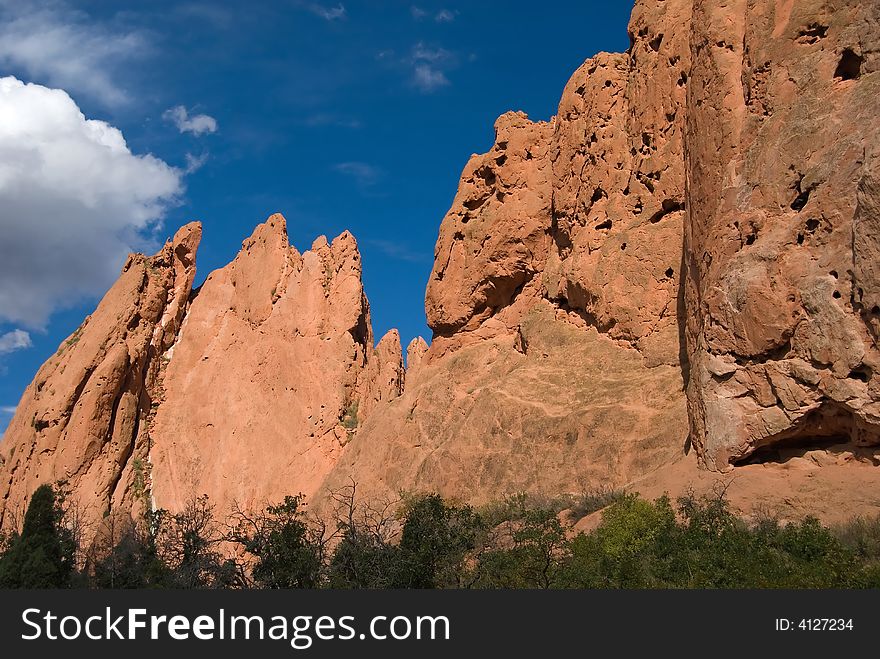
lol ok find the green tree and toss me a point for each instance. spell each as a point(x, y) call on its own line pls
point(526, 547)
point(435, 542)
point(127, 558)
point(288, 553)
point(188, 544)
point(362, 560)
point(42, 556)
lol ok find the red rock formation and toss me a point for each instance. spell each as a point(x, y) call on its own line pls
point(554, 297)
point(84, 419)
point(702, 210)
point(272, 375)
point(782, 227)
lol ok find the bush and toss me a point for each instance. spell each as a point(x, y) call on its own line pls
point(521, 542)
point(525, 550)
point(435, 543)
point(287, 553)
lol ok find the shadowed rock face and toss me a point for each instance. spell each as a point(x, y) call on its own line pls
point(684, 256)
point(781, 240)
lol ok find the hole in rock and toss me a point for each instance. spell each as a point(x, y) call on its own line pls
point(801, 200)
point(836, 295)
point(750, 239)
point(655, 42)
point(598, 194)
point(487, 175)
point(604, 225)
point(500, 160)
point(812, 224)
point(670, 272)
point(829, 428)
point(474, 204)
point(800, 239)
point(850, 65)
point(783, 452)
point(834, 274)
point(812, 33)
point(875, 310)
point(861, 372)
point(622, 247)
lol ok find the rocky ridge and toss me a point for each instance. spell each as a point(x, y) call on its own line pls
point(671, 279)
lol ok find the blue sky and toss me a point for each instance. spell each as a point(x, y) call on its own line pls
point(355, 116)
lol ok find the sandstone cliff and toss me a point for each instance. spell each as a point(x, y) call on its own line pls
point(85, 417)
point(672, 278)
point(783, 123)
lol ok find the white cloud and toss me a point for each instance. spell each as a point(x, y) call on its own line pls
point(364, 174)
point(195, 163)
point(8, 409)
point(75, 201)
point(14, 340)
point(63, 48)
point(197, 124)
point(417, 13)
point(421, 52)
point(328, 13)
point(445, 16)
point(428, 78)
point(428, 63)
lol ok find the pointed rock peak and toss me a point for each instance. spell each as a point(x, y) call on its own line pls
point(344, 239)
point(343, 250)
point(415, 351)
point(417, 347)
point(344, 246)
point(186, 242)
point(390, 342)
point(272, 233)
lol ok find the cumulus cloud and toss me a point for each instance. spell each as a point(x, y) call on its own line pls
point(445, 16)
point(14, 340)
point(328, 13)
point(63, 48)
point(197, 124)
point(75, 201)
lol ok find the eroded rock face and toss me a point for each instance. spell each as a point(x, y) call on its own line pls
point(702, 212)
point(272, 375)
point(782, 227)
point(85, 417)
point(554, 297)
